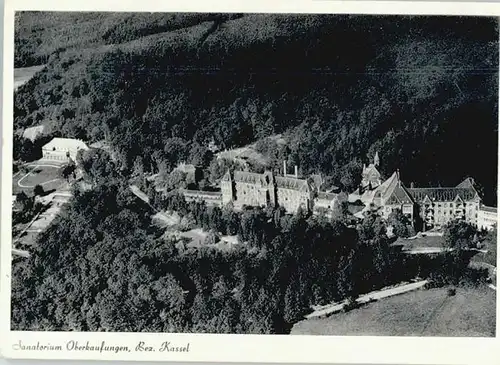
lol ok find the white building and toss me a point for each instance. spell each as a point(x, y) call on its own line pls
point(62, 149)
point(486, 217)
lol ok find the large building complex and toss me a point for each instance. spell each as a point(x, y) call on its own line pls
point(244, 188)
point(426, 208)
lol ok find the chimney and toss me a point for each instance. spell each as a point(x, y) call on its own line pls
point(284, 167)
point(296, 171)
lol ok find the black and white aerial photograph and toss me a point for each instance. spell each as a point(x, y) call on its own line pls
point(243, 173)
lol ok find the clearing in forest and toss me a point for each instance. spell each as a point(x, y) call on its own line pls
point(469, 313)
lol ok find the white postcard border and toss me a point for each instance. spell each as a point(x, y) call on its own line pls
point(223, 348)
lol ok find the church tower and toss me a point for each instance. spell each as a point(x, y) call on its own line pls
point(371, 178)
point(227, 188)
point(269, 189)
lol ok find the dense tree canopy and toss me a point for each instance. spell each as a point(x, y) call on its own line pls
point(97, 165)
point(338, 87)
point(459, 235)
point(401, 224)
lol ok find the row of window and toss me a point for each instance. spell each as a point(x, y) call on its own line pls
point(55, 157)
point(446, 218)
point(406, 209)
point(444, 211)
point(450, 205)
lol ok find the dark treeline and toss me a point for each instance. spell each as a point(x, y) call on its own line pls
point(420, 90)
point(27, 150)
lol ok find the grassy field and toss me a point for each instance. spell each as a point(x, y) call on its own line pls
point(196, 239)
point(470, 313)
point(485, 257)
point(44, 175)
point(196, 235)
point(247, 153)
point(165, 219)
point(421, 242)
point(24, 74)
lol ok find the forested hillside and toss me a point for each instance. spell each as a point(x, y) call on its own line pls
point(421, 91)
point(39, 35)
point(102, 266)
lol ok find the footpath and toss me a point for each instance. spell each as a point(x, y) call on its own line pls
point(40, 221)
point(326, 310)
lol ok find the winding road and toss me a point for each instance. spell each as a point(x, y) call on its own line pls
point(375, 295)
point(21, 185)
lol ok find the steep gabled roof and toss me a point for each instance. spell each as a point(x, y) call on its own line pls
point(381, 192)
point(326, 196)
point(354, 208)
point(400, 196)
point(249, 177)
point(427, 200)
point(393, 199)
point(284, 182)
point(443, 194)
point(385, 189)
point(371, 172)
point(227, 176)
point(65, 143)
point(467, 183)
point(292, 183)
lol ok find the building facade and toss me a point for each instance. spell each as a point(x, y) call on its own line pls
point(62, 149)
point(328, 203)
point(426, 208)
point(253, 189)
point(487, 217)
point(371, 177)
point(244, 188)
point(211, 198)
point(438, 206)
